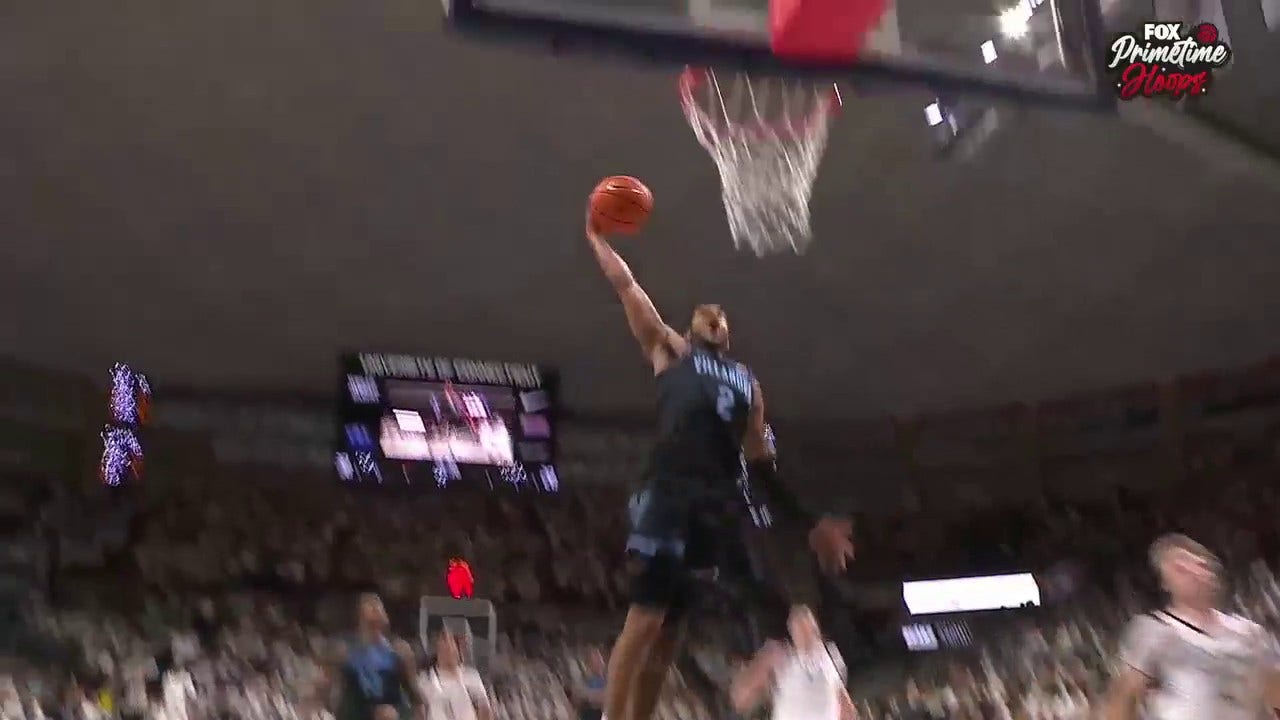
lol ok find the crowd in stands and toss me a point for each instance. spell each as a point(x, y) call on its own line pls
point(245, 658)
point(258, 534)
point(1056, 665)
point(227, 594)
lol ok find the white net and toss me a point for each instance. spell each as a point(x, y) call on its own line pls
point(766, 136)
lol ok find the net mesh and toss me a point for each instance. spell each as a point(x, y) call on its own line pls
point(766, 136)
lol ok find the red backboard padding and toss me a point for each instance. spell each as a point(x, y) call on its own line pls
point(821, 30)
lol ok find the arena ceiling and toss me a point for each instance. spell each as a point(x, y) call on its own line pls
point(228, 193)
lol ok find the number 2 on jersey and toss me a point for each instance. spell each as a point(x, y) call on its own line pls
point(725, 401)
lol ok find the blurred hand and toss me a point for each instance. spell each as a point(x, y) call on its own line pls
point(773, 649)
point(832, 541)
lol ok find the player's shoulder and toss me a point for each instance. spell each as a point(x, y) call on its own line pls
point(1243, 626)
point(1148, 625)
point(1152, 619)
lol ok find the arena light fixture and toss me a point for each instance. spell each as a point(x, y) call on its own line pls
point(933, 114)
point(1014, 21)
point(989, 54)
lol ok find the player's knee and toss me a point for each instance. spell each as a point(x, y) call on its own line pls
point(386, 712)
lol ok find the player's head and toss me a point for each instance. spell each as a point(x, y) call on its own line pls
point(370, 613)
point(803, 627)
point(1188, 570)
point(448, 654)
point(710, 328)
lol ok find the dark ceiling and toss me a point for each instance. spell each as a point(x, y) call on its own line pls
point(227, 193)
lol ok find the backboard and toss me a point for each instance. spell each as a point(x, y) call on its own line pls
point(1043, 51)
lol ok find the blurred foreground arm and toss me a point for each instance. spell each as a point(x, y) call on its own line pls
point(752, 683)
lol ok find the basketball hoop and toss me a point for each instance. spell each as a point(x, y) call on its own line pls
point(766, 136)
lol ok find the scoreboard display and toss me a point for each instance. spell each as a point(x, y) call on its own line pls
point(438, 421)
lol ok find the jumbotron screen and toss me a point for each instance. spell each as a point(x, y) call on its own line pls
point(440, 421)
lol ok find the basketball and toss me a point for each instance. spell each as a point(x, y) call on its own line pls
point(620, 204)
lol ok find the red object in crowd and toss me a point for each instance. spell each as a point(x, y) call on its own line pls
point(462, 584)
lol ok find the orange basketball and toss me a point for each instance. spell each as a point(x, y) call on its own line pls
point(620, 205)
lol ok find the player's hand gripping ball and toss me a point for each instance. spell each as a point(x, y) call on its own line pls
point(619, 205)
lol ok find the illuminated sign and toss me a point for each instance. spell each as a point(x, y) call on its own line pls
point(462, 584)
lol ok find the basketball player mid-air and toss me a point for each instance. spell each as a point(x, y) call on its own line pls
point(804, 678)
point(376, 676)
point(1191, 661)
point(710, 417)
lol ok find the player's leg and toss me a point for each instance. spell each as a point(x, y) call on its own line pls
point(655, 552)
point(641, 633)
point(701, 562)
point(647, 688)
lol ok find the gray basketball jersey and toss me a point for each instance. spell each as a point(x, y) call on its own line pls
point(1216, 674)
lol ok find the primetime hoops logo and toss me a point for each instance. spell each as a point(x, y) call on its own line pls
point(1169, 59)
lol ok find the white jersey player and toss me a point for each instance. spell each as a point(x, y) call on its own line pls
point(454, 691)
point(806, 678)
point(1191, 661)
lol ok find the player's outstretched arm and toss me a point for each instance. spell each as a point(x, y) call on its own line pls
point(831, 538)
point(656, 338)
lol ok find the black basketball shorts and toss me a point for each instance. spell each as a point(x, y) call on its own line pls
point(676, 546)
point(681, 550)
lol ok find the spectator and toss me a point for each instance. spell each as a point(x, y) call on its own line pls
point(588, 696)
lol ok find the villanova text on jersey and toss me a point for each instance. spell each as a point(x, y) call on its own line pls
point(704, 400)
point(733, 374)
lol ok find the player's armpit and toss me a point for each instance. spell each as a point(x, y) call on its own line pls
point(657, 340)
point(1127, 688)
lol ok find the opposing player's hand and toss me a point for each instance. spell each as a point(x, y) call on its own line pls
point(832, 541)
